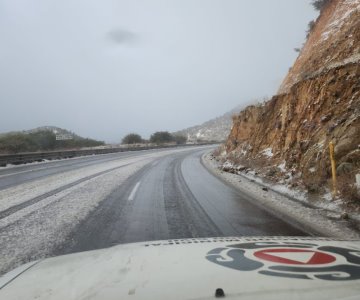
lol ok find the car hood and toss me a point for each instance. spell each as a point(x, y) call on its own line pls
point(244, 268)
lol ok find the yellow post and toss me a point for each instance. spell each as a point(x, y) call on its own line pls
point(333, 168)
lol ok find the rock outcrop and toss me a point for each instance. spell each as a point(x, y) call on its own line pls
point(318, 102)
point(332, 42)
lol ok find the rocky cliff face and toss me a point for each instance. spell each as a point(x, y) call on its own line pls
point(332, 42)
point(318, 102)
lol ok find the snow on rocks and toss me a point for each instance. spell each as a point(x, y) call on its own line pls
point(336, 22)
point(268, 152)
point(282, 166)
point(231, 168)
point(312, 170)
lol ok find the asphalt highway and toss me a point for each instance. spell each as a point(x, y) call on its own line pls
point(23, 173)
point(172, 198)
point(95, 202)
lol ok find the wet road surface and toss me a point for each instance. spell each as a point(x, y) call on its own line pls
point(172, 198)
point(94, 202)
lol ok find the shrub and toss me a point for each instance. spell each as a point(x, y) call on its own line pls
point(132, 138)
point(180, 139)
point(319, 4)
point(161, 137)
point(311, 26)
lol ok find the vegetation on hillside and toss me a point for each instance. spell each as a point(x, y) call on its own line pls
point(319, 4)
point(132, 138)
point(41, 141)
point(311, 27)
point(159, 137)
point(179, 139)
point(163, 137)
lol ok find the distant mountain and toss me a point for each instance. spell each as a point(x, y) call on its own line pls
point(216, 129)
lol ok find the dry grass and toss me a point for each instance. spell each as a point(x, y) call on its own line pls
point(347, 188)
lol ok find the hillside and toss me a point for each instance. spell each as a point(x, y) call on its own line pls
point(53, 129)
point(287, 138)
point(332, 42)
point(216, 129)
point(44, 138)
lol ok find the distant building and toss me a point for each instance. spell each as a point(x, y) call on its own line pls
point(63, 137)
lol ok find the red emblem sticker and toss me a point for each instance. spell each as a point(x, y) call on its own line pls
point(295, 256)
point(290, 259)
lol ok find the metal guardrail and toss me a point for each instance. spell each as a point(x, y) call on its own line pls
point(22, 158)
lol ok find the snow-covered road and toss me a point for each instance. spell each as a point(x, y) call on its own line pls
point(86, 203)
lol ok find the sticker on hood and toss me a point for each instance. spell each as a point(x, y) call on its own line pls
point(291, 260)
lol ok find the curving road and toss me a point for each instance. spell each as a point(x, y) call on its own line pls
point(95, 202)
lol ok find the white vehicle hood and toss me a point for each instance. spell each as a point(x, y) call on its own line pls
point(244, 268)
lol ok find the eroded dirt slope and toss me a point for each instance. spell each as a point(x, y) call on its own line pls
point(319, 101)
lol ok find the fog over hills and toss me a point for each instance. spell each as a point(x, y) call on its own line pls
point(216, 129)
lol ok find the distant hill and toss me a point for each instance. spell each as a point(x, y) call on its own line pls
point(53, 129)
point(44, 138)
point(216, 129)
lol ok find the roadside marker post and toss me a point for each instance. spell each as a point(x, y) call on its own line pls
point(333, 169)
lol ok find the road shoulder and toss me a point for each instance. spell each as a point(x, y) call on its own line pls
point(315, 221)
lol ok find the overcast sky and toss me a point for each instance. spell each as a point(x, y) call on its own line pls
point(105, 68)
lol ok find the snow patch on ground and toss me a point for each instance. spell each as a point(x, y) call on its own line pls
point(312, 170)
point(281, 188)
point(34, 231)
point(45, 161)
point(298, 194)
point(199, 134)
point(228, 164)
point(268, 152)
point(282, 167)
point(24, 192)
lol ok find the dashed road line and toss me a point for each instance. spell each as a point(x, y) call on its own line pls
point(133, 192)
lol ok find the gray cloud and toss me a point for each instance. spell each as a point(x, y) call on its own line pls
point(122, 36)
point(72, 64)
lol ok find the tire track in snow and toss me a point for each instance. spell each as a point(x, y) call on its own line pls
point(13, 209)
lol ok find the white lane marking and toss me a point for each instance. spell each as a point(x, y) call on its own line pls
point(133, 192)
point(155, 163)
point(21, 172)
